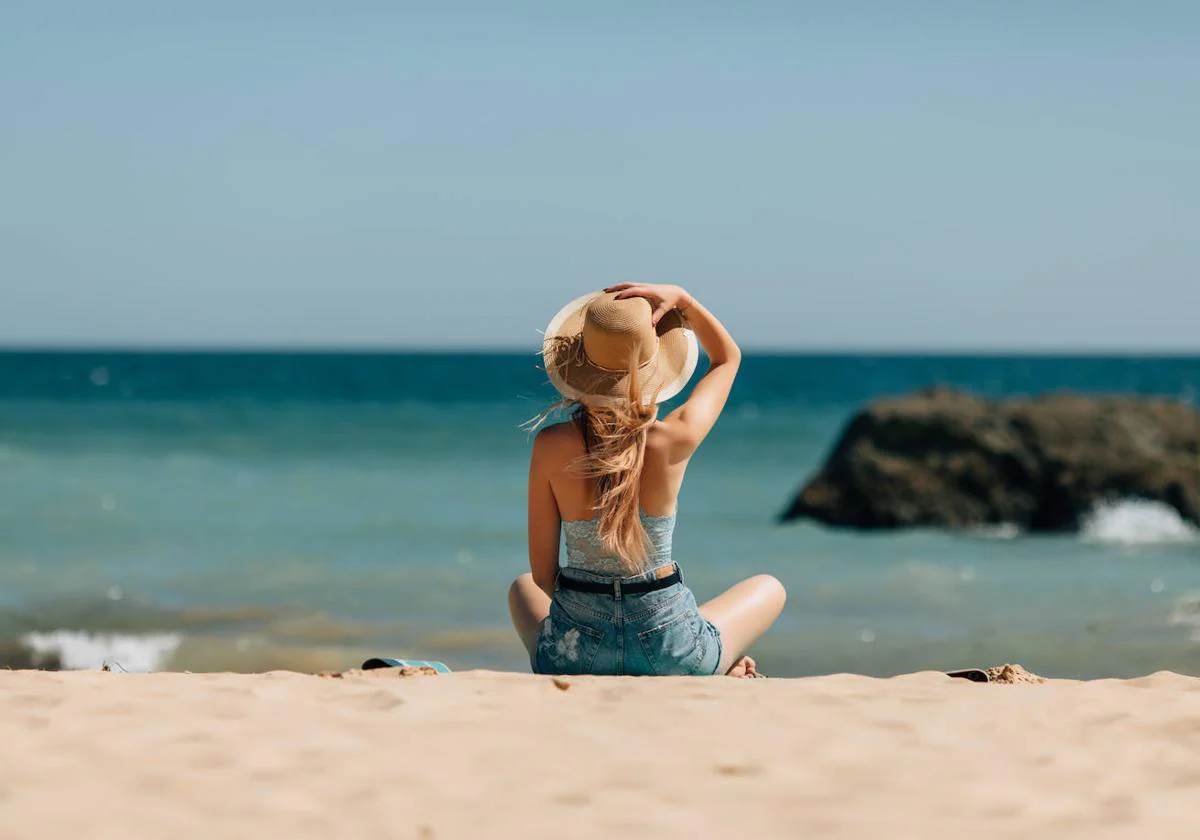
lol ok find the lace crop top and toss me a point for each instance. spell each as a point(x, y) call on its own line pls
point(586, 551)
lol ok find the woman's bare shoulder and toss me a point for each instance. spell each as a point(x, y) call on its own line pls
point(559, 439)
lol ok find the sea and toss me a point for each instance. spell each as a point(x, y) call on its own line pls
point(233, 511)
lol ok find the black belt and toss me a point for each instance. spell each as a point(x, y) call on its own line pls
point(634, 588)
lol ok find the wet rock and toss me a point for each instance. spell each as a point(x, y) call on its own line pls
point(944, 458)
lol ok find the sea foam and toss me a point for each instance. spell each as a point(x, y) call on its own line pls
point(1137, 522)
point(77, 650)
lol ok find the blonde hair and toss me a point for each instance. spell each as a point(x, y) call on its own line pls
point(614, 435)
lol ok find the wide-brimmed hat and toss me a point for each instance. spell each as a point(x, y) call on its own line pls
point(593, 341)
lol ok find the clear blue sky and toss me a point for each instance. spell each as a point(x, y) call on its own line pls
point(904, 175)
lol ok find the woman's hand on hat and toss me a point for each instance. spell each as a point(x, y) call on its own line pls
point(662, 297)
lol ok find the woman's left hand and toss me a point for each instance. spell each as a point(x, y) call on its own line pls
point(662, 297)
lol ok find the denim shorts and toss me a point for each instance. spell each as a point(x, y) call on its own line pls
point(658, 633)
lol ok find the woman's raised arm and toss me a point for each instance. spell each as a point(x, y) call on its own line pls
point(693, 420)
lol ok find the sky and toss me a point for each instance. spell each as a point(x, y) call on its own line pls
point(1018, 175)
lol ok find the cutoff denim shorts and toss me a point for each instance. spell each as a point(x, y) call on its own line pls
point(658, 633)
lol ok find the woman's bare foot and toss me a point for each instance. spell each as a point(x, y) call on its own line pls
point(744, 668)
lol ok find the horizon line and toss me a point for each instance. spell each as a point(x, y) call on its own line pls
point(319, 349)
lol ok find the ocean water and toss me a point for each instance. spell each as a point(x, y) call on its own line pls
point(225, 511)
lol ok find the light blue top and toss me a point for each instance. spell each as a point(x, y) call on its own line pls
point(586, 551)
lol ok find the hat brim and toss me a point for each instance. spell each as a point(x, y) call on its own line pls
point(660, 379)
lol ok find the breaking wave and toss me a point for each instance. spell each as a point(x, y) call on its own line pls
point(1137, 522)
point(76, 650)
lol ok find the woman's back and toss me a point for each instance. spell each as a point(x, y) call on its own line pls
point(575, 493)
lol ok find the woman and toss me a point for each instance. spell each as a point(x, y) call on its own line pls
point(609, 478)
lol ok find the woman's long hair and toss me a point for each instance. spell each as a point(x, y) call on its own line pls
point(614, 435)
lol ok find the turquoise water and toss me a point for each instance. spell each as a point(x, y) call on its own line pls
point(243, 511)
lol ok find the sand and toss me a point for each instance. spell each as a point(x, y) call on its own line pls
point(479, 754)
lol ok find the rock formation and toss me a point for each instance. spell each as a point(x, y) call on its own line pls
point(948, 459)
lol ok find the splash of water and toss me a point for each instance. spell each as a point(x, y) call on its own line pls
point(77, 650)
point(1137, 522)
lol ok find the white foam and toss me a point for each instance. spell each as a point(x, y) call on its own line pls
point(1137, 522)
point(78, 650)
point(1003, 531)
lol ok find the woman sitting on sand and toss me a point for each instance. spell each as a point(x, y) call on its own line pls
point(609, 478)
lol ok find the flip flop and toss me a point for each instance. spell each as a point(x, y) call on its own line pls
point(972, 674)
point(387, 662)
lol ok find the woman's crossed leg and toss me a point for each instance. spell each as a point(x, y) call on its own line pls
point(741, 613)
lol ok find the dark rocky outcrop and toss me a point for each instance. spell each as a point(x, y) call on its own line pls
point(19, 657)
point(948, 459)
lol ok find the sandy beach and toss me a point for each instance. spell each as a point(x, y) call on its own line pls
point(484, 754)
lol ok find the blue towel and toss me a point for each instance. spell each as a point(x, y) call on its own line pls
point(388, 662)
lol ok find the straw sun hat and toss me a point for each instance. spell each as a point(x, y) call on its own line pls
point(591, 342)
